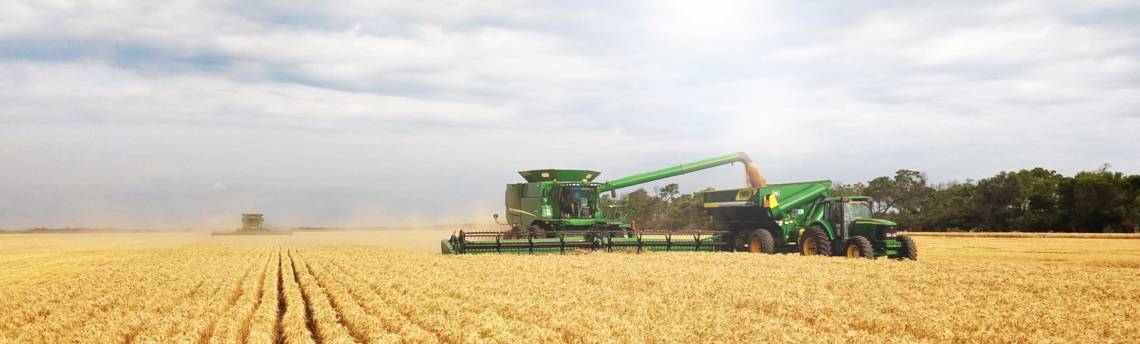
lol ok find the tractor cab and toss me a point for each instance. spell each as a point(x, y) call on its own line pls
point(852, 216)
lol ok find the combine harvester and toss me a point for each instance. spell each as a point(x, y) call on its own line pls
point(801, 217)
point(253, 224)
point(557, 211)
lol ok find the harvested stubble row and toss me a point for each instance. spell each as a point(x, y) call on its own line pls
point(264, 292)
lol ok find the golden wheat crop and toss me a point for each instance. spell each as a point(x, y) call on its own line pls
point(343, 288)
point(1028, 235)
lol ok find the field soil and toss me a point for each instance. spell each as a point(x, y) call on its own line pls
point(394, 286)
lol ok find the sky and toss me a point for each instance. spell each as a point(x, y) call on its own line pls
point(155, 114)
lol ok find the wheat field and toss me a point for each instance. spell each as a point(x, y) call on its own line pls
point(395, 287)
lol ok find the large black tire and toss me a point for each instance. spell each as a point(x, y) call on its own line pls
point(814, 242)
point(909, 250)
point(760, 241)
point(859, 247)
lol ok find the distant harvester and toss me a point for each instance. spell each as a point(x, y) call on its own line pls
point(252, 224)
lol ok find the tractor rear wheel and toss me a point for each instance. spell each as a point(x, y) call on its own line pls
point(909, 250)
point(814, 242)
point(860, 247)
point(760, 241)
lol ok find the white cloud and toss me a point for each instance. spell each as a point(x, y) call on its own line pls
point(386, 105)
point(107, 94)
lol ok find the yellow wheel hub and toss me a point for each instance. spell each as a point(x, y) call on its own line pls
point(754, 245)
point(853, 251)
point(809, 247)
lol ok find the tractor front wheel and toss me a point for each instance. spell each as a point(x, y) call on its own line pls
point(859, 247)
point(760, 241)
point(814, 242)
point(909, 250)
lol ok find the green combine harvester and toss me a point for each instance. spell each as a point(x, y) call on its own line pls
point(802, 217)
point(557, 211)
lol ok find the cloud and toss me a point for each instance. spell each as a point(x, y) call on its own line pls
point(218, 186)
point(396, 109)
point(113, 95)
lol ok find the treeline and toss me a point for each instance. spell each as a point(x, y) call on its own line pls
point(1034, 200)
point(665, 208)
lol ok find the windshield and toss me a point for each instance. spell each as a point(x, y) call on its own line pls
point(854, 210)
point(577, 202)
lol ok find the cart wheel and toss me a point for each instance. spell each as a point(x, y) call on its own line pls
point(760, 241)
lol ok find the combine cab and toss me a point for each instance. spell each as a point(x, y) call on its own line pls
point(557, 211)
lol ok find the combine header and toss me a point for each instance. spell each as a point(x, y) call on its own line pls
point(556, 211)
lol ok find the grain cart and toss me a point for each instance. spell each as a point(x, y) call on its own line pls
point(557, 211)
point(802, 217)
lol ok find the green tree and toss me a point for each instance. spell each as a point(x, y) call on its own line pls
point(668, 192)
point(1038, 200)
point(1131, 208)
point(997, 198)
point(902, 195)
point(856, 189)
point(949, 206)
point(1094, 201)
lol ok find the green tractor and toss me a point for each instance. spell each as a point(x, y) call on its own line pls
point(801, 217)
point(559, 210)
